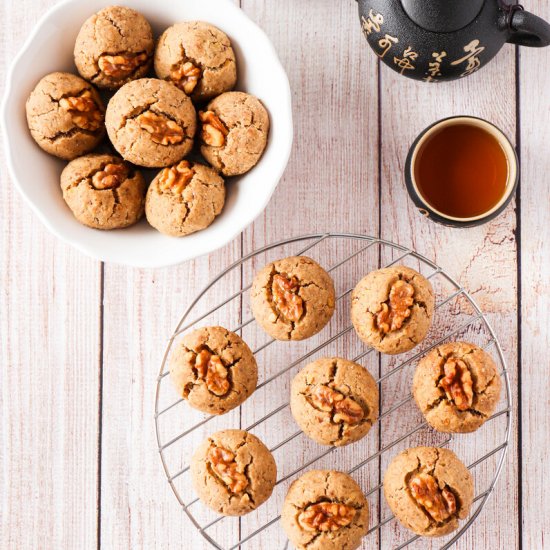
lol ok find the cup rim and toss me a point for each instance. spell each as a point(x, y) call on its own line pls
point(498, 134)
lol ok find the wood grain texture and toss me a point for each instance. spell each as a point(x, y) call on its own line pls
point(81, 343)
point(535, 288)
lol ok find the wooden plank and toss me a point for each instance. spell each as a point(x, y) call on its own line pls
point(483, 259)
point(535, 287)
point(49, 361)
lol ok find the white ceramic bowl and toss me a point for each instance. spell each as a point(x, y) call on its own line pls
point(36, 174)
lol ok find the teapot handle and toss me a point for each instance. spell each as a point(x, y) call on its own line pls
point(527, 29)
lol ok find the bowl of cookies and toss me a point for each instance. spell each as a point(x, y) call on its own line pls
point(147, 135)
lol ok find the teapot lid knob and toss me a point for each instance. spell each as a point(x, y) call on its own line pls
point(442, 15)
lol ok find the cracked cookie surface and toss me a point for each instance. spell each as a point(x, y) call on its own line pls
point(457, 387)
point(144, 112)
point(292, 298)
point(178, 211)
point(247, 124)
point(103, 191)
point(392, 309)
point(334, 401)
point(233, 472)
point(223, 379)
point(331, 528)
point(453, 490)
point(212, 70)
point(58, 128)
point(114, 46)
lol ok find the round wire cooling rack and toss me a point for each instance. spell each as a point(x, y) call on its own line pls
point(266, 413)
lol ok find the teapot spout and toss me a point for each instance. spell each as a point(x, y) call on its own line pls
point(442, 15)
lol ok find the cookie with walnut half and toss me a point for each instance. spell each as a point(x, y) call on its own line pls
point(151, 123)
point(429, 490)
point(114, 46)
point(325, 510)
point(65, 115)
point(457, 387)
point(103, 191)
point(293, 298)
point(233, 472)
point(213, 369)
point(334, 401)
point(184, 198)
point(198, 58)
point(392, 309)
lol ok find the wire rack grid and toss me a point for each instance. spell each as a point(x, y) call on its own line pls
point(266, 413)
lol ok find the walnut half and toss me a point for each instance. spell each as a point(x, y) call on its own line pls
point(110, 177)
point(394, 313)
point(163, 130)
point(284, 291)
point(439, 504)
point(222, 462)
point(457, 384)
point(326, 516)
point(345, 409)
point(84, 111)
point(176, 178)
point(120, 65)
point(186, 76)
point(214, 130)
point(211, 369)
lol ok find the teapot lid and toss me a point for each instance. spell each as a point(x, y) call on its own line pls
point(442, 15)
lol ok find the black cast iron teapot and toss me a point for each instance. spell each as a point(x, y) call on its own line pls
point(436, 40)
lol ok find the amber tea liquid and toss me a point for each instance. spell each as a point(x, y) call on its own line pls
point(461, 170)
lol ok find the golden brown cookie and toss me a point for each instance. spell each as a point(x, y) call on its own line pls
point(392, 309)
point(334, 401)
point(293, 298)
point(457, 387)
point(151, 123)
point(234, 131)
point(198, 58)
point(325, 510)
point(65, 115)
point(114, 46)
point(233, 472)
point(213, 369)
point(103, 191)
point(429, 490)
point(184, 198)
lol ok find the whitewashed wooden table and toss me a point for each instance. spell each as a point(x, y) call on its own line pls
point(81, 342)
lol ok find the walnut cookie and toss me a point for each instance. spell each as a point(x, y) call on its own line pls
point(214, 370)
point(392, 309)
point(429, 490)
point(103, 191)
point(184, 198)
point(325, 510)
point(65, 115)
point(151, 123)
point(197, 58)
point(233, 472)
point(293, 298)
point(234, 132)
point(334, 401)
point(457, 387)
point(114, 46)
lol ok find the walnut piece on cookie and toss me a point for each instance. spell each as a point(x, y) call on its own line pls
point(325, 509)
point(392, 309)
point(213, 369)
point(233, 472)
point(429, 490)
point(457, 387)
point(334, 401)
point(292, 298)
